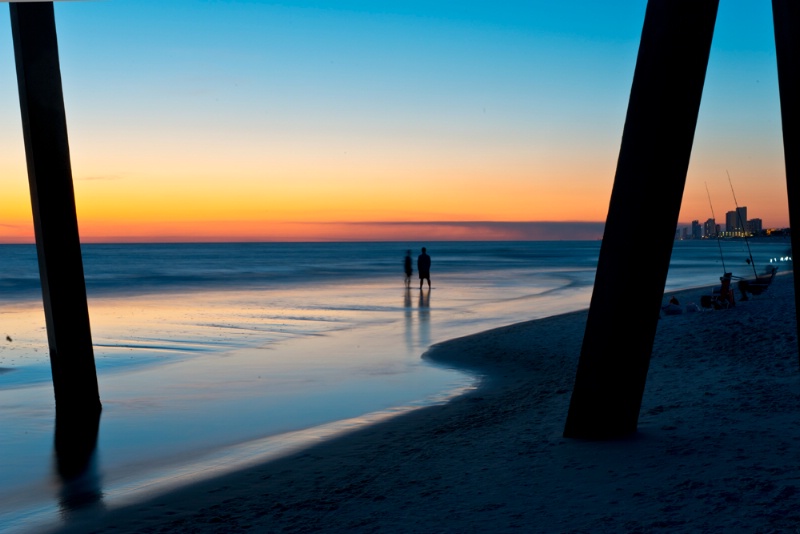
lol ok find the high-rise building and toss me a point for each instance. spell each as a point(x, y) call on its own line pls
point(754, 226)
point(730, 221)
point(710, 228)
point(697, 230)
point(741, 218)
point(735, 221)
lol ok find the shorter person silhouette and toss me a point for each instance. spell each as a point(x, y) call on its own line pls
point(424, 268)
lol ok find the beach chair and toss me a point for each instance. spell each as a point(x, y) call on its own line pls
point(722, 297)
point(758, 285)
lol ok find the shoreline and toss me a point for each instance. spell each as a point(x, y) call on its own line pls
point(716, 447)
point(350, 450)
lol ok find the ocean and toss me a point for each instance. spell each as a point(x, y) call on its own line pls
point(211, 356)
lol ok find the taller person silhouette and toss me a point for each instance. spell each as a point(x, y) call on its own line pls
point(424, 268)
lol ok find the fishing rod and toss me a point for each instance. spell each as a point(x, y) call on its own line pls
point(742, 225)
point(714, 217)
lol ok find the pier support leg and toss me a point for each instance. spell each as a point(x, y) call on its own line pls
point(648, 189)
point(55, 222)
point(786, 20)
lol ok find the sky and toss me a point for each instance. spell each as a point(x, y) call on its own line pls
point(248, 120)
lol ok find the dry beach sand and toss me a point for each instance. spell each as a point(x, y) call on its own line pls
point(718, 447)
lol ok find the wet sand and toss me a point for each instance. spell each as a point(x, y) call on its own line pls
point(718, 447)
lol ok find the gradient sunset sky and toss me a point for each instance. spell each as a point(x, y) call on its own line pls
point(254, 120)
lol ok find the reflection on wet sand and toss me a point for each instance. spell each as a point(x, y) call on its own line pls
point(425, 318)
point(409, 316)
point(179, 398)
point(423, 322)
point(76, 469)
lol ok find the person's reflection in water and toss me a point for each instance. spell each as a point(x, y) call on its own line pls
point(424, 319)
point(75, 451)
point(407, 267)
point(409, 315)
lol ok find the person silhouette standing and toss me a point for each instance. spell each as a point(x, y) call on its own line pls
point(424, 268)
point(407, 268)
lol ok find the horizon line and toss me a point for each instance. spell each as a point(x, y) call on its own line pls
point(326, 232)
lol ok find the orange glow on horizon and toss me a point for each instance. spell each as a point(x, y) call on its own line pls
point(285, 197)
point(257, 231)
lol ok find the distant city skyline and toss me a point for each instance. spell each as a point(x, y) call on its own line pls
point(737, 224)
